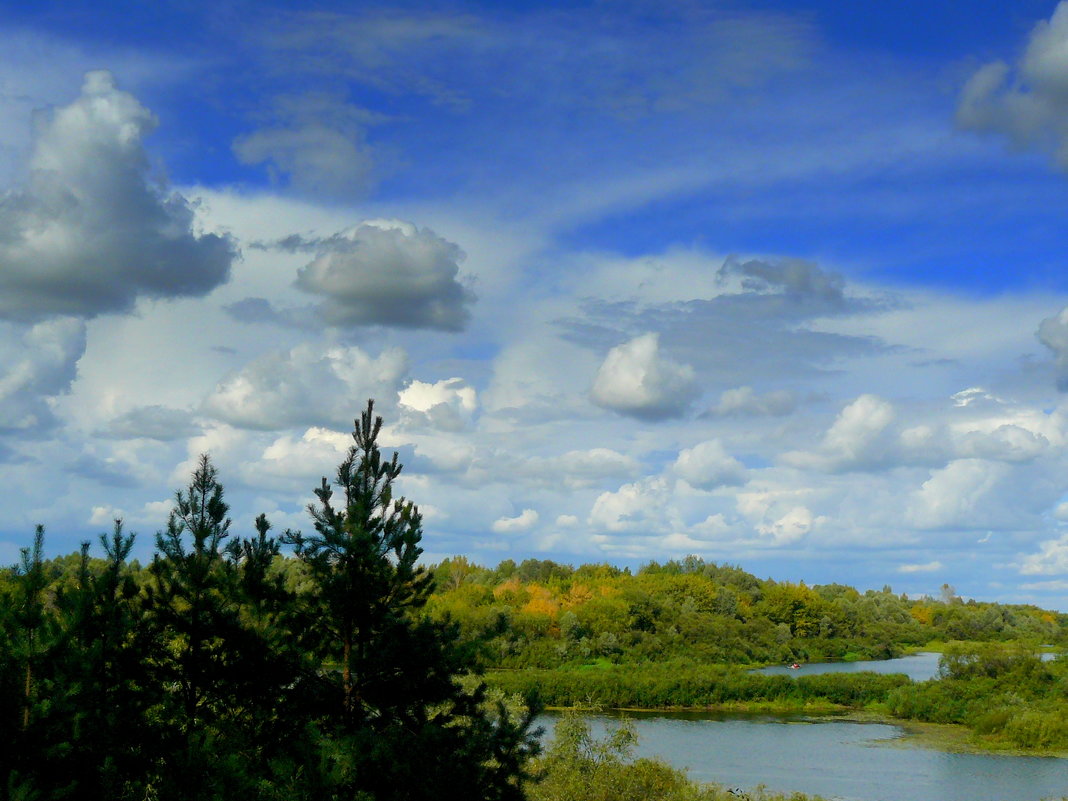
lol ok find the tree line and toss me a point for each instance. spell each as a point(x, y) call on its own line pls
point(542, 614)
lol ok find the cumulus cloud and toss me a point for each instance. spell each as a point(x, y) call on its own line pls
point(296, 461)
point(707, 465)
point(1051, 559)
point(391, 273)
point(636, 380)
point(1006, 443)
point(745, 402)
point(317, 142)
point(855, 440)
point(525, 521)
point(153, 513)
point(1053, 333)
point(445, 405)
point(960, 495)
point(635, 507)
point(311, 384)
point(36, 370)
point(90, 232)
point(791, 527)
point(1027, 103)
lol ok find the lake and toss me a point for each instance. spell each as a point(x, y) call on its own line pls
point(836, 759)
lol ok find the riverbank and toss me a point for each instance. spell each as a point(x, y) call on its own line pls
point(945, 737)
point(953, 738)
point(731, 691)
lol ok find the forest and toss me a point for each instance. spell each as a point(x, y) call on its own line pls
point(684, 634)
point(335, 665)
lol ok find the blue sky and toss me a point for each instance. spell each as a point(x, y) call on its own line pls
point(778, 284)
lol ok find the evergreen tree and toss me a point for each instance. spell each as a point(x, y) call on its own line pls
point(29, 632)
point(397, 723)
point(102, 694)
point(224, 682)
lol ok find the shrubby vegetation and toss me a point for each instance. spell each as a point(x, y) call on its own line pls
point(579, 766)
point(211, 674)
point(1005, 693)
point(685, 685)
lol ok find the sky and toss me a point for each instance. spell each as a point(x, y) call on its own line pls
point(778, 284)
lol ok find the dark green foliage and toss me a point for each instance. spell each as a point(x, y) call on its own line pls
point(227, 671)
point(681, 685)
point(1003, 691)
point(580, 767)
point(392, 699)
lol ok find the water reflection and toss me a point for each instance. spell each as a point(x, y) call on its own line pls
point(836, 759)
point(918, 667)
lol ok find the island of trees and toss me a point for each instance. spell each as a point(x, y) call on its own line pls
point(334, 665)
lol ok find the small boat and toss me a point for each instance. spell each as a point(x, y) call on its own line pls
point(795, 666)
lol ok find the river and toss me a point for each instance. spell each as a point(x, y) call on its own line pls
point(918, 667)
point(836, 759)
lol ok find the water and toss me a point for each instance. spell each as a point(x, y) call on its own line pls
point(918, 667)
point(836, 759)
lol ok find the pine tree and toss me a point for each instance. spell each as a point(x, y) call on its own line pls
point(397, 723)
point(102, 694)
point(218, 665)
point(29, 632)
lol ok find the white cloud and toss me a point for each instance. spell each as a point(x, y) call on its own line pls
point(854, 441)
point(391, 273)
point(310, 384)
point(634, 507)
point(973, 396)
point(1007, 443)
point(447, 405)
point(90, 232)
point(635, 380)
point(1027, 103)
point(1051, 560)
point(707, 465)
point(525, 521)
point(299, 461)
point(791, 527)
point(152, 513)
point(960, 495)
point(926, 567)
